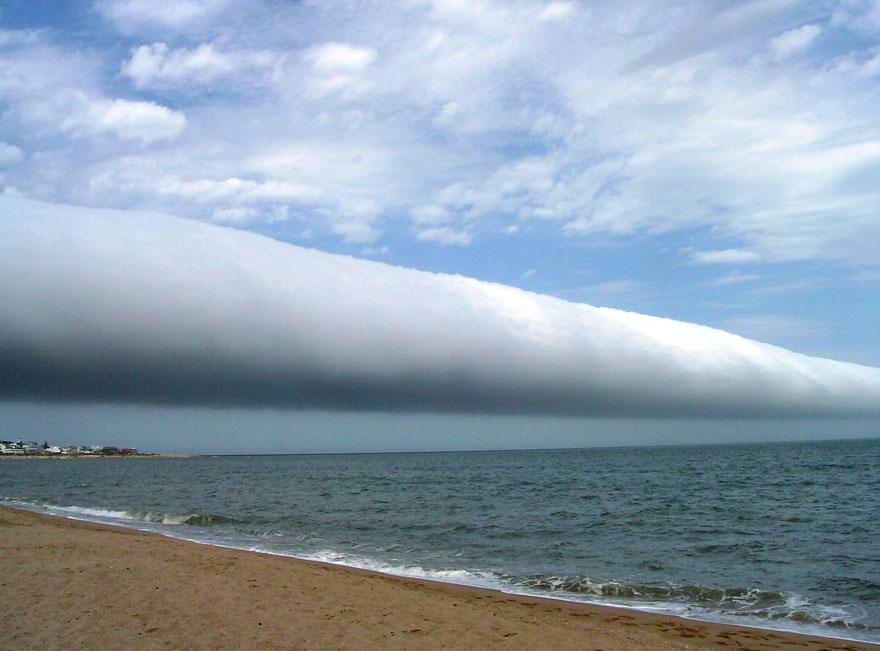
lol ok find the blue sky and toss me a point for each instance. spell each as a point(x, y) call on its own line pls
point(713, 162)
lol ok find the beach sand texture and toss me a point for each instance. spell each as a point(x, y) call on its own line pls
point(66, 584)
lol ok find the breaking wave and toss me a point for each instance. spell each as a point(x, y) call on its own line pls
point(92, 513)
point(693, 600)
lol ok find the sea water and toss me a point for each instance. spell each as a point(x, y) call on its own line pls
point(782, 536)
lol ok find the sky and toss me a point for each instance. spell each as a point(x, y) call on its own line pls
point(716, 163)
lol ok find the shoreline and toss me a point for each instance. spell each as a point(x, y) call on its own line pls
point(67, 457)
point(177, 591)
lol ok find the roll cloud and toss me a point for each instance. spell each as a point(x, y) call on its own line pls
point(117, 306)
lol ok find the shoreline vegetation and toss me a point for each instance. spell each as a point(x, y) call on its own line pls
point(97, 585)
point(63, 457)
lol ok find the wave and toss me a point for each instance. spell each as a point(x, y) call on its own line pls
point(451, 575)
point(688, 593)
point(759, 607)
point(156, 517)
point(744, 606)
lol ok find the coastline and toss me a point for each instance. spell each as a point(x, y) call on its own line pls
point(67, 583)
point(60, 457)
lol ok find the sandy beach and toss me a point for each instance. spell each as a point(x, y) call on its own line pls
point(68, 584)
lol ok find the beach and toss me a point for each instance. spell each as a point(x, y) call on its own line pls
point(72, 584)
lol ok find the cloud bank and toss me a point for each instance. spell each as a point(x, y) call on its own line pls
point(117, 306)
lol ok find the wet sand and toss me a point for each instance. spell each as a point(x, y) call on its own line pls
point(66, 584)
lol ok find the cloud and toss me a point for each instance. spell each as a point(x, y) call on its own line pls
point(794, 41)
point(502, 114)
point(155, 64)
point(10, 154)
point(236, 190)
point(356, 231)
point(135, 15)
point(858, 15)
point(116, 306)
point(158, 66)
point(46, 90)
point(234, 215)
point(444, 235)
point(863, 63)
point(557, 11)
point(125, 119)
point(706, 29)
point(734, 278)
point(339, 66)
point(725, 256)
point(341, 58)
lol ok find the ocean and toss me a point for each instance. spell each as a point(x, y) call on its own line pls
point(780, 536)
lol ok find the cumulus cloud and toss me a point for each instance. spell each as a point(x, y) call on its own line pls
point(46, 90)
point(339, 66)
point(106, 305)
point(158, 66)
point(502, 114)
point(236, 190)
point(125, 119)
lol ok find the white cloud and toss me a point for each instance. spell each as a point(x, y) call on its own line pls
point(734, 278)
point(794, 41)
point(234, 215)
point(10, 154)
point(358, 232)
point(557, 11)
point(491, 114)
point(430, 214)
point(235, 190)
point(871, 67)
point(339, 66)
point(865, 63)
point(725, 256)
point(108, 305)
point(859, 15)
point(135, 15)
point(154, 63)
point(340, 58)
point(376, 250)
point(125, 119)
point(444, 235)
point(158, 66)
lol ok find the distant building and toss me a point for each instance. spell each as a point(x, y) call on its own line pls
point(8, 447)
point(32, 447)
